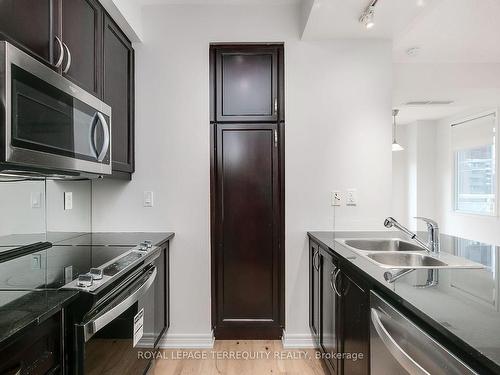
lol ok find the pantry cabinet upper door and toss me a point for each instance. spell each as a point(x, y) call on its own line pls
point(247, 85)
point(31, 25)
point(82, 34)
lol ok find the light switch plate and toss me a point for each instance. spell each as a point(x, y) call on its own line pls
point(68, 200)
point(68, 274)
point(336, 198)
point(148, 199)
point(36, 199)
point(351, 198)
point(36, 261)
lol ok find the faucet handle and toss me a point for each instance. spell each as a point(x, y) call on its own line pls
point(430, 222)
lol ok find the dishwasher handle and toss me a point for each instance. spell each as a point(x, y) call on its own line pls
point(403, 358)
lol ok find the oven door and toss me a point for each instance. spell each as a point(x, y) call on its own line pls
point(111, 335)
point(51, 124)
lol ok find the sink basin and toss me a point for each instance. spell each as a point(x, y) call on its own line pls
point(392, 244)
point(406, 260)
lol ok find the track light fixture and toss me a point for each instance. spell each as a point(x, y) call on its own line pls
point(368, 15)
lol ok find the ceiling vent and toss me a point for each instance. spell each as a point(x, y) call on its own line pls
point(430, 102)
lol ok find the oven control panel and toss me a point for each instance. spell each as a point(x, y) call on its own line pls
point(97, 277)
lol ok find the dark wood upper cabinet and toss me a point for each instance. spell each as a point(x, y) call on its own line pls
point(32, 26)
point(82, 35)
point(247, 84)
point(80, 41)
point(118, 92)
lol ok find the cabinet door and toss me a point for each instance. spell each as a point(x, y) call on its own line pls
point(314, 291)
point(82, 34)
point(329, 307)
point(31, 25)
point(355, 324)
point(247, 84)
point(119, 94)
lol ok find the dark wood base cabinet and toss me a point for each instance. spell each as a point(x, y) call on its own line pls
point(338, 313)
point(36, 352)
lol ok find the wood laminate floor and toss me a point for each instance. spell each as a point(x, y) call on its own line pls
point(228, 358)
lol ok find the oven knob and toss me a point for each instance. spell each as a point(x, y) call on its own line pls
point(96, 273)
point(148, 243)
point(85, 280)
point(142, 247)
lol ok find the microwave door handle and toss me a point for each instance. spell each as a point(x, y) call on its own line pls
point(101, 320)
point(403, 358)
point(61, 53)
point(106, 142)
point(95, 119)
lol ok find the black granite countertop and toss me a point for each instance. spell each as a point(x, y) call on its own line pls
point(20, 310)
point(465, 305)
point(113, 239)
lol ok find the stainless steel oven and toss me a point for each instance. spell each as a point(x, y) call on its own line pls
point(112, 322)
point(113, 331)
point(46, 122)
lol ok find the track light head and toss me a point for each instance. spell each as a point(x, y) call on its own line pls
point(367, 17)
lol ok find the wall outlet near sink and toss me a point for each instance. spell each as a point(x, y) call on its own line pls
point(336, 198)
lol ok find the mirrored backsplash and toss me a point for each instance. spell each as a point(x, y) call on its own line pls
point(447, 171)
point(35, 211)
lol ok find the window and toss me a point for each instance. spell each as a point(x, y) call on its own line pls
point(474, 148)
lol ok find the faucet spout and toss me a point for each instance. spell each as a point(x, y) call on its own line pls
point(391, 222)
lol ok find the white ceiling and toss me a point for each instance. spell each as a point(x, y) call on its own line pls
point(200, 2)
point(443, 30)
point(453, 31)
point(339, 18)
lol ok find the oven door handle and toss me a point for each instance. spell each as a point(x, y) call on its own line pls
point(125, 301)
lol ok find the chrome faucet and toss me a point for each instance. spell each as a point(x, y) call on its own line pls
point(432, 246)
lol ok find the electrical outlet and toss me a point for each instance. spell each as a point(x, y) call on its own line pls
point(336, 198)
point(351, 197)
point(148, 200)
point(68, 200)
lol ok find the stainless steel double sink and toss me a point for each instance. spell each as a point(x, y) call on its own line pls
point(395, 253)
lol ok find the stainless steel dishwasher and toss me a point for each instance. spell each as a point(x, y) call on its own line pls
point(398, 346)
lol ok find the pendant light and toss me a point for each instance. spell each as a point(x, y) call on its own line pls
point(395, 145)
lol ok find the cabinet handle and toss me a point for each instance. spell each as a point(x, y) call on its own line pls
point(333, 281)
point(275, 106)
point(315, 259)
point(61, 53)
point(68, 63)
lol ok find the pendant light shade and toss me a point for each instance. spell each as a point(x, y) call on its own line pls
point(395, 145)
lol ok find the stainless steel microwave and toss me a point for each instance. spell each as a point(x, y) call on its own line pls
point(49, 125)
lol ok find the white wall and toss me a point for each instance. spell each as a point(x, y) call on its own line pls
point(18, 216)
point(338, 135)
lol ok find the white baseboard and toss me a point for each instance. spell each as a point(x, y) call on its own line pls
point(297, 341)
point(187, 341)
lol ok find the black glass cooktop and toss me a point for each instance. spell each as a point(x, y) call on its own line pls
point(55, 266)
